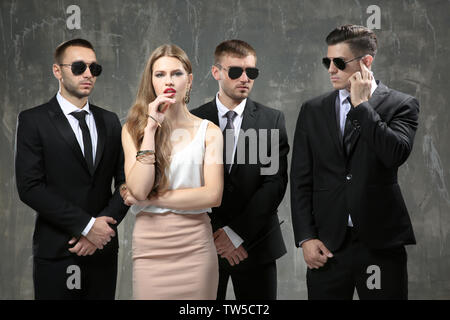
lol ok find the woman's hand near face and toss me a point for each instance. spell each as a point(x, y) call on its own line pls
point(165, 100)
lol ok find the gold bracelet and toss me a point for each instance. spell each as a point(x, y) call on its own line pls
point(159, 124)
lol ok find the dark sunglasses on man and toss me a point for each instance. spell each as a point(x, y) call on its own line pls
point(78, 67)
point(338, 62)
point(236, 72)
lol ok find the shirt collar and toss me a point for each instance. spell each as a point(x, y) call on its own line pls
point(67, 107)
point(223, 109)
point(344, 94)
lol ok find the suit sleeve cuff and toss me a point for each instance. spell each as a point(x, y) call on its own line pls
point(235, 239)
point(88, 227)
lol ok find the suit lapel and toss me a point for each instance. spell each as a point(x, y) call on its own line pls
point(380, 93)
point(331, 120)
point(249, 116)
point(211, 112)
point(63, 126)
point(248, 122)
point(101, 134)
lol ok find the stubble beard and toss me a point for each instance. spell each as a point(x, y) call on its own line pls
point(72, 90)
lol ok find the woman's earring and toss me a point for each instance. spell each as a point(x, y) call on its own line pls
point(187, 97)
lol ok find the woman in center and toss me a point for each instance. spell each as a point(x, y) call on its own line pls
point(174, 175)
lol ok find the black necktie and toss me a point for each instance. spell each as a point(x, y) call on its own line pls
point(228, 151)
point(348, 132)
point(87, 142)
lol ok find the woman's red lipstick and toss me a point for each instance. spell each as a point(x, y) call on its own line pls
point(170, 90)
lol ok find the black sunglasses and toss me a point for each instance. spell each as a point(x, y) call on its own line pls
point(338, 62)
point(78, 67)
point(236, 72)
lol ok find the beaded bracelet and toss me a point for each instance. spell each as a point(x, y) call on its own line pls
point(146, 156)
point(144, 152)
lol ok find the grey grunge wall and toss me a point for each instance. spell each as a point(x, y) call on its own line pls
point(288, 36)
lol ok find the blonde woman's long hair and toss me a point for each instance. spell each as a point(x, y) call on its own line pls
point(137, 116)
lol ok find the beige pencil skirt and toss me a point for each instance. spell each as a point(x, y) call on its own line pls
point(174, 257)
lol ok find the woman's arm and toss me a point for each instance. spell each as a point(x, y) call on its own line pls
point(209, 195)
point(139, 176)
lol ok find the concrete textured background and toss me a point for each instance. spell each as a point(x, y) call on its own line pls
point(288, 36)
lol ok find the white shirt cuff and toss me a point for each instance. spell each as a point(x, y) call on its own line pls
point(88, 227)
point(301, 242)
point(235, 239)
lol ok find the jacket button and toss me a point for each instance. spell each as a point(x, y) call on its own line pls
point(349, 177)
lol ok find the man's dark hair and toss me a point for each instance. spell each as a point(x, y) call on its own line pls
point(361, 40)
point(234, 47)
point(59, 51)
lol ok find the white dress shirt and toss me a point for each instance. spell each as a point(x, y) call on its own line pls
point(237, 121)
point(68, 108)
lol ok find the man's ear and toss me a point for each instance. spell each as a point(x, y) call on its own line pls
point(215, 72)
point(367, 60)
point(57, 71)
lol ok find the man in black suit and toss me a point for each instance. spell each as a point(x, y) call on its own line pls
point(68, 154)
point(348, 213)
point(247, 230)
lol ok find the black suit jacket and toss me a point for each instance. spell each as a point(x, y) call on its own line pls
point(53, 177)
point(327, 186)
point(250, 200)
